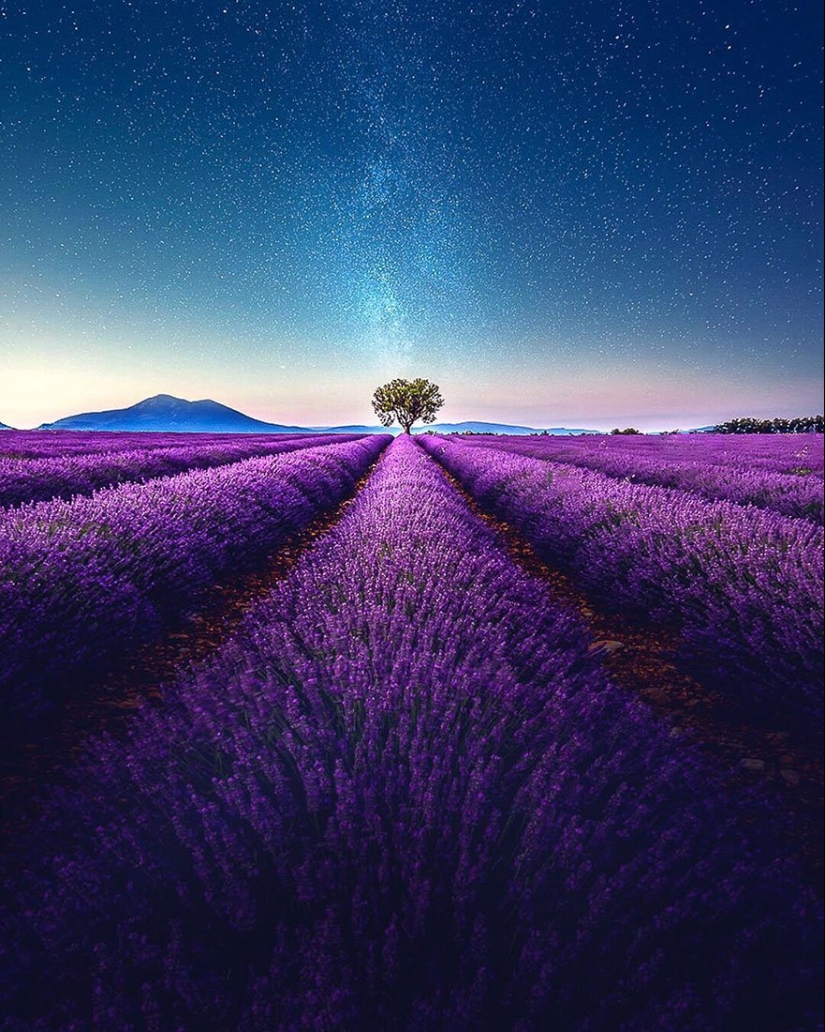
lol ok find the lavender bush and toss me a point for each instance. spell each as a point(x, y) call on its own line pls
point(788, 481)
point(796, 454)
point(53, 444)
point(82, 580)
point(744, 586)
point(406, 796)
point(36, 480)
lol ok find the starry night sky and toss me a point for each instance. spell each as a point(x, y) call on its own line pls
point(584, 214)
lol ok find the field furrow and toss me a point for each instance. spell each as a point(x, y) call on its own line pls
point(743, 588)
point(85, 580)
point(44, 752)
point(791, 485)
point(799, 454)
point(37, 480)
point(406, 795)
point(29, 445)
point(643, 658)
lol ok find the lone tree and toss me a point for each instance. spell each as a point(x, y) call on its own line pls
point(405, 401)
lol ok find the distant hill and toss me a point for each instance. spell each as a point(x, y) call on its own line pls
point(166, 414)
point(351, 429)
point(471, 427)
point(497, 428)
point(5, 426)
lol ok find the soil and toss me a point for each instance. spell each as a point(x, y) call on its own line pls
point(40, 758)
point(786, 764)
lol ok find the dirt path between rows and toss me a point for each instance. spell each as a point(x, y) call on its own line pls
point(789, 768)
point(31, 764)
point(785, 765)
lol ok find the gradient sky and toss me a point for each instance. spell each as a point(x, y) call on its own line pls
point(587, 214)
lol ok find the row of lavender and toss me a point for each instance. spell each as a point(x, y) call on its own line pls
point(82, 580)
point(51, 444)
point(765, 472)
point(64, 476)
point(743, 586)
point(798, 454)
point(406, 796)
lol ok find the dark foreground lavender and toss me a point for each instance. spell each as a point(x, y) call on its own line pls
point(83, 581)
point(406, 797)
point(743, 586)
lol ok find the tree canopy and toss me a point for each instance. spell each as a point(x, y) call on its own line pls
point(751, 425)
point(405, 401)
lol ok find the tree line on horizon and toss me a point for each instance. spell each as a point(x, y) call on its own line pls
point(407, 401)
point(751, 425)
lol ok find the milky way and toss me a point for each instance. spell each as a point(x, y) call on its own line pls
point(591, 211)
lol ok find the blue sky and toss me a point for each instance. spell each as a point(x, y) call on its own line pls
point(590, 215)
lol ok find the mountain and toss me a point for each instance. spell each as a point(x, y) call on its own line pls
point(166, 414)
point(353, 429)
point(5, 426)
point(471, 427)
point(497, 428)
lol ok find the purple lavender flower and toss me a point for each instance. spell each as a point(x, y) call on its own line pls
point(82, 580)
point(406, 795)
point(743, 585)
point(81, 473)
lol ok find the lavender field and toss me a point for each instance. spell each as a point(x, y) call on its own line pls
point(453, 733)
